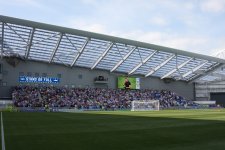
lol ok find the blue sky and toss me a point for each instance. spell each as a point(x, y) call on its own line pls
point(191, 25)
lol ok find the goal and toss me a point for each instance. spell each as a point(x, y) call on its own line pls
point(144, 105)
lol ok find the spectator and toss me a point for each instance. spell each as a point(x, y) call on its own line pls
point(91, 98)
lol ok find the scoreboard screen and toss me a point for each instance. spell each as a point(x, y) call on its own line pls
point(128, 83)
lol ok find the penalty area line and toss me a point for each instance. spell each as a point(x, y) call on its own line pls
point(2, 131)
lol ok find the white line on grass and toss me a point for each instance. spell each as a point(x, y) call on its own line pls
point(2, 130)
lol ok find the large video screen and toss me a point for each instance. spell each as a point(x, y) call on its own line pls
point(128, 83)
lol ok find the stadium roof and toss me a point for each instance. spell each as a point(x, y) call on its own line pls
point(54, 44)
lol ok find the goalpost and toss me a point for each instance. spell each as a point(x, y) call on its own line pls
point(144, 105)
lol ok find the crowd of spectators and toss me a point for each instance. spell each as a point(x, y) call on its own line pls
point(91, 98)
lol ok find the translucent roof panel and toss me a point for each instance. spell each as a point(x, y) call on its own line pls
point(68, 49)
point(92, 52)
point(43, 44)
point(135, 58)
point(153, 62)
point(172, 66)
point(114, 55)
point(16, 38)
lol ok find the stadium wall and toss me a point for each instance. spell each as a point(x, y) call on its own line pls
point(80, 77)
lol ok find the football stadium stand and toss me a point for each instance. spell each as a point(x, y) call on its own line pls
point(92, 98)
point(41, 55)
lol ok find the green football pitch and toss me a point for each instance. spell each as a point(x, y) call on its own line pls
point(118, 130)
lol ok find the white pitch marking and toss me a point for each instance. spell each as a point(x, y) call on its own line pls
point(2, 130)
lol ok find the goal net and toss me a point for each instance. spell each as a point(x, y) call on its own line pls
point(144, 105)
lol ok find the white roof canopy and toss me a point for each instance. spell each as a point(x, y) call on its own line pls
point(53, 44)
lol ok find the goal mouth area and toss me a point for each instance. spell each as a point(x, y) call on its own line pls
point(145, 105)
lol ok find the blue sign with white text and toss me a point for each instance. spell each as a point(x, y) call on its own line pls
point(38, 79)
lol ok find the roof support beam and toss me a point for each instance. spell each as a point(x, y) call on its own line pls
point(80, 52)
point(160, 65)
point(174, 70)
point(102, 56)
point(2, 42)
point(142, 63)
point(30, 43)
point(123, 59)
point(195, 69)
point(56, 47)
